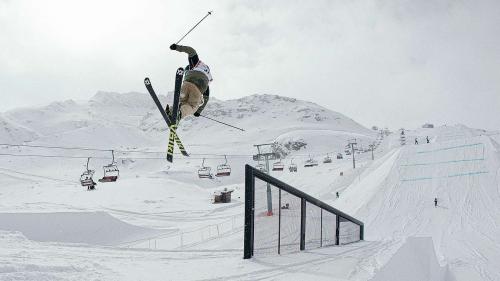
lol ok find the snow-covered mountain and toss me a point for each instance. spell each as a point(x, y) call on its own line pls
point(112, 120)
point(165, 212)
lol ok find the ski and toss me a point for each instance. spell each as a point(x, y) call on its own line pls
point(175, 111)
point(151, 91)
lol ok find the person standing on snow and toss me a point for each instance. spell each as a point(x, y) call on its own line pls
point(435, 202)
point(194, 90)
point(427, 139)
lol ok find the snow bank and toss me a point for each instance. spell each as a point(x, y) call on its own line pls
point(414, 261)
point(97, 228)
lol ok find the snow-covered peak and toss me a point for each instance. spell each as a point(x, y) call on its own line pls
point(131, 99)
point(135, 118)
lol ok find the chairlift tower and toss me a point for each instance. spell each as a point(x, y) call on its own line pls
point(352, 143)
point(266, 156)
point(371, 148)
point(402, 137)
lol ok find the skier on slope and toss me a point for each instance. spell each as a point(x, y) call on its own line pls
point(194, 90)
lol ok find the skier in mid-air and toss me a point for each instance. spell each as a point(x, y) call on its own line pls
point(194, 90)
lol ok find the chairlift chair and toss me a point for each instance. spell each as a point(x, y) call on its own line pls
point(310, 162)
point(204, 172)
point(223, 170)
point(111, 171)
point(327, 159)
point(86, 177)
point(260, 167)
point(278, 166)
point(292, 167)
point(339, 156)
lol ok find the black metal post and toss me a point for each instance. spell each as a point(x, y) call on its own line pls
point(269, 193)
point(337, 230)
point(302, 224)
point(249, 212)
point(353, 158)
point(279, 221)
point(321, 228)
point(361, 232)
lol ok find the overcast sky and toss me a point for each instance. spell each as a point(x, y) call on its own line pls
point(389, 63)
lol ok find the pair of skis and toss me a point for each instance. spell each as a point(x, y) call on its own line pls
point(171, 121)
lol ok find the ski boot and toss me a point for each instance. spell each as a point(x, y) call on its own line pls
point(179, 115)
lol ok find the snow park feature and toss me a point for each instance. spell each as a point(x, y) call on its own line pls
point(282, 219)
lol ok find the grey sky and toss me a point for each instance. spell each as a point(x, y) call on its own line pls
point(390, 63)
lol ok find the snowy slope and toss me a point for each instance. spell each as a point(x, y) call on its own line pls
point(460, 168)
point(11, 132)
point(164, 212)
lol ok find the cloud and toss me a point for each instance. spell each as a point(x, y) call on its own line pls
point(390, 63)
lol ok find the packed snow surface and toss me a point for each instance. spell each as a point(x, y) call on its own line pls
point(157, 222)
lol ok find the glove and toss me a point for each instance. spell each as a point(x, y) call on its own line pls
point(196, 114)
point(173, 47)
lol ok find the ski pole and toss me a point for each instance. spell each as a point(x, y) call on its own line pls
point(208, 14)
point(222, 123)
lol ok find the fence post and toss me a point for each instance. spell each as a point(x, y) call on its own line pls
point(320, 228)
point(279, 221)
point(361, 232)
point(337, 229)
point(249, 212)
point(302, 224)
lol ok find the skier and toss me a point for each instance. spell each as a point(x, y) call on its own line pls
point(337, 194)
point(194, 90)
point(435, 202)
point(427, 139)
point(416, 141)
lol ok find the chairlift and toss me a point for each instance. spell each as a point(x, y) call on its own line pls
point(223, 170)
point(111, 171)
point(261, 167)
point(310, 162)
point(204, 172)
point(339, 156)
point(278, 166)
point(86, 177)
point(292, 167)
point(327, 159)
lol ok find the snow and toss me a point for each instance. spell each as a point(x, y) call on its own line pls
point(157, 222)
point(415, 260)
point(98, 228)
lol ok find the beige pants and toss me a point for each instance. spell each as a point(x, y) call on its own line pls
point(190, 98)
